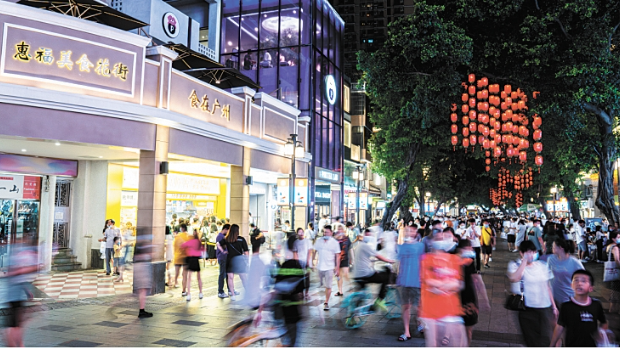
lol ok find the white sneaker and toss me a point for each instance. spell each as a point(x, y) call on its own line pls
point(222, 295)
point(200, 296)
point(183, 293)
point(236, 293)
point(514, 251)
point(233, 298)
point(188, 298)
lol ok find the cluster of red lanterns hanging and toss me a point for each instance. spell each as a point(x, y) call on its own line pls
point(497, 120)
point(522, 180)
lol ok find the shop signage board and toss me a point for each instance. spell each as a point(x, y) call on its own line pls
point(363, 201)
point(20, 187)
point(129, 199)
point(560, 206)
point(193, 184)
point(327, 175)
point(37, 165)
point(301, 191)
point(322, 194)
point(593, 222)
point(34, 54)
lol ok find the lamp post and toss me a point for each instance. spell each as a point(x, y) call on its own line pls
point(358, 175)
point(428, 205)
point(293, 149)
point(554, 190)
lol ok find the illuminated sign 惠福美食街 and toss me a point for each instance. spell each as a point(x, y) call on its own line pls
point(203, 104)
point(42, 55)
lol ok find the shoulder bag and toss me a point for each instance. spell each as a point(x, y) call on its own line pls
point(515, 302)
point(611, 273)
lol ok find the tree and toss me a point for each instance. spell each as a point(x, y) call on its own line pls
point(407, 82)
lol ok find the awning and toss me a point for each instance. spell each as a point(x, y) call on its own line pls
point(91, 10)
point(202, 67)
point(374, 190)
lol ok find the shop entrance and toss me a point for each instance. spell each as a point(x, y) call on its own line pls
point(18, 219)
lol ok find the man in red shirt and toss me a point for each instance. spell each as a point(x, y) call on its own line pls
point(441, 279)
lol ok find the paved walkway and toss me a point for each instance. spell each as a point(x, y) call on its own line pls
point(112, 320)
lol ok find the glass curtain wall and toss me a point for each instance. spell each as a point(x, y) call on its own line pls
point(289, 47)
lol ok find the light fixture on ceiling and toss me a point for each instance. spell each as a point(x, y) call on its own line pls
point(23, 150)
point(286, 23)
point(57, 144)
point(100, 156)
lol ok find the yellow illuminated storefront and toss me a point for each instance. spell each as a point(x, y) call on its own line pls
point(188, 194)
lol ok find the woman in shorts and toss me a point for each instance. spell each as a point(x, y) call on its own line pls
point(237, 255)
point(193, 251)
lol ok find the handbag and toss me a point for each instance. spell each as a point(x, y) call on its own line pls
point(611, 273)
point(515, 302)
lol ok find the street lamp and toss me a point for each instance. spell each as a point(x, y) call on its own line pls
point(358, 175)
point(554, 190)
point(428, 206)
point(293, 149)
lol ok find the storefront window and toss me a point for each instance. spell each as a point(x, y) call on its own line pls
point(230, 26)
point(289, 61)
point(249, 25)
point(249, 64)
point(305, 92)
point(267, 73)
point(289, 23)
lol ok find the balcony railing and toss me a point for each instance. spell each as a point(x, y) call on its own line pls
point(207, 52)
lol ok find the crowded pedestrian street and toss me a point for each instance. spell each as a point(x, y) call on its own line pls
point(88, 322)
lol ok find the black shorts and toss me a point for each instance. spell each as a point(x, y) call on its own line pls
point(487, 249)
point(511, 238)
point(14, 318)
point(192, 263)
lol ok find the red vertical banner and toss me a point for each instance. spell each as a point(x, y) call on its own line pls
point(32, 187)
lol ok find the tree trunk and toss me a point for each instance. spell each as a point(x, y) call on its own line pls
point(438, 207)
point(541, 201)
point(503, 210)
point(573, 205)
point(606, 155)
point(392, 207)
point(422, 205)
point(405, 213)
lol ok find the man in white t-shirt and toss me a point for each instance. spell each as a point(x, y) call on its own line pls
point(473, 234)
point(329, 261)
point(511, 233)
point(580, 240)
point(322, 223)
point(304, 249)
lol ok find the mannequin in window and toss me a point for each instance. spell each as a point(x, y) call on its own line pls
point(266, 62)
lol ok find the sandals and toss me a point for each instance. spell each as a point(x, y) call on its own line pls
point(338, 294)
point(403, 338)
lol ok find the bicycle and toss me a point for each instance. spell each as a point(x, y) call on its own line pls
point(245, 334)
point(358, 307)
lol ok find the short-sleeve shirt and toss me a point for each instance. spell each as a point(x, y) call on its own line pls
point(179, 251)
point(535, 283)
point(220, 255)
point(581, 322)
point(110, 233)
point(235, 248)
point(303, 246)
point(473, 234)
point(443, 267)
point(327, 250)
point(362, 264)
point(345, 247)
point(409, 255)
point(487, 234)
point(533, 234)
point(562, 277)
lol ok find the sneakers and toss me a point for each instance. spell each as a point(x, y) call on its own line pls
point(487, 266)
point(233, 298)
point(188, 298)
point(325, 306)
point(236, 293)
point(222, 295)
point(200, 296)
point(144, 314)
point(514, 251)
point(380, 304)
point(184, 293)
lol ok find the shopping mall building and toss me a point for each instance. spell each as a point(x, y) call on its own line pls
point(140, 123)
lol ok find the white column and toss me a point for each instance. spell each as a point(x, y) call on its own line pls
point(46, 222)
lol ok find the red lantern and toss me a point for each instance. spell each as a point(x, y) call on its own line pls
point(472, 127)
point(514, 95)
point(537, 134)
point(454, 129)
point(485, 131)
point(479, 94)
point(523, 156)
point(492, 110)
point(508, 101)
point(471, 78)
point(472, 102)
point(503, 95)
point(487, 161)
point(487, 153)
point(455, 140)
point(465, 120)
point(498, 126)
point(509, 114)
point(538, 147)
point(465, 142)
point(497, 151)
point(507, 89)
point(465, 131)
point(485, 94)
point(521, 105)
point(492, 143)
point(492, 132)
point(480, 139)
point(526, 132)
point(484, 118)
point(472, 140)
point(485, 106)
point(509, 151)
point(484, 81)
point(485, 144)
point(472, 114)
point(538, 160)
point(515, 129)
point(471, 90)
point(498, 139)
point(503, 106)
point(514, 107)
point(465, 108)
point(453, 107)
point(454, 117)
point(487, 168)
point(464, 97)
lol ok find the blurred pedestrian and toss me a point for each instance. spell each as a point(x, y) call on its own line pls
point(221, 255)
point(530, 278)
point(110, 232)
point(328, 251)
point(180, 262)
point(169, 255)
point(142, 272)
point(256, 238)
point(441, 279)
point(193, 251)
point(304, 247)
point(473, 235)
point(22, 270)
point(562, 265)
point(237, 258)
point(408, 280)
point(613, 255)
point(486, 245)
point(345, 252)
point(118, 248)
